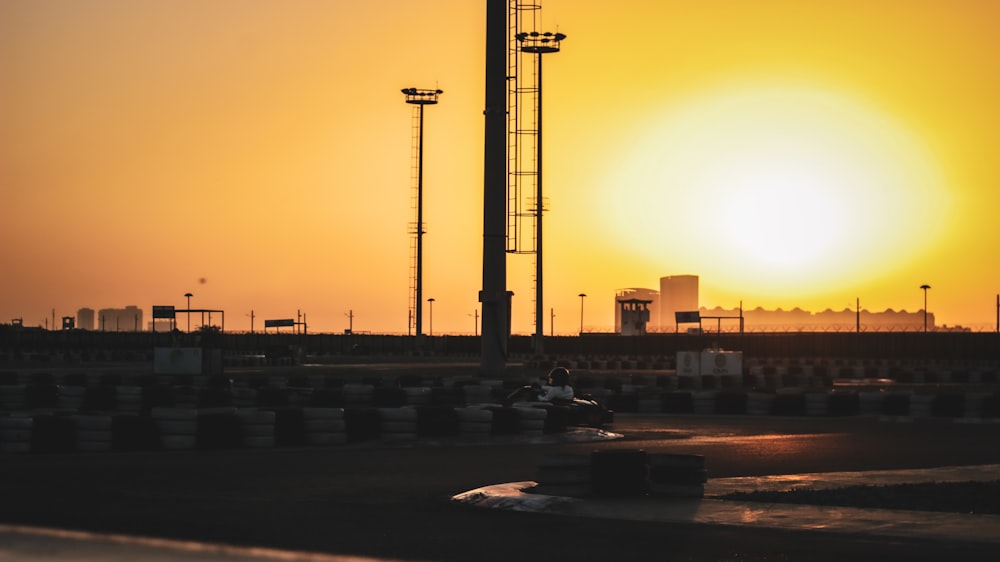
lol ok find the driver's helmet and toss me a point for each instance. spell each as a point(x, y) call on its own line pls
point(559, 376)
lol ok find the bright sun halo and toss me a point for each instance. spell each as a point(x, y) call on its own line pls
point(776, 187)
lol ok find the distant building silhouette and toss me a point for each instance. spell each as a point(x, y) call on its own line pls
point(678, 293)
point(85, 318)
point(846, 320)
point(128, 319)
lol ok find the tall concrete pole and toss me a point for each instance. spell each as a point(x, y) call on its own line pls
point(494, 296)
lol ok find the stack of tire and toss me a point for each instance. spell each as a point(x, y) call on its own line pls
point(358, 395)
point(93, 432)
point(70, 396)
point(477, 394)
point(324, 426)
point(258, 427)
point(218, 428)
point(759, 403)
point(621, 473)
point(398, 424)
point(473, 422)
point(15, 433)
point(562, 475)
point(128, 398)
point(178, 427)
point(679, 476)
point(417, 395)
point(531, 421)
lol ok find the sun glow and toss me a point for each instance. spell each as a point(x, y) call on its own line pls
point(777, 187)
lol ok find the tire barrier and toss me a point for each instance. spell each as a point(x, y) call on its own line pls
point(531, 420)
point(473, 422)
point(619, 473)
point(93, 432)
point(12, 397)
point(398, 424)
point(562, 475)
point(15, 434)
point(258, 428)
point(478, 394)
point(788, 404)
point(218, 428)
point(437, 421)
point(417, 395)
point(324, 426)
point(679, 476)
point(463, 408)
point(178, 427)
point(128, 398)
point(131, 432)
point(53, 434)
point(289, 427)
point(505, 420)
point(41, 395)
point(363, 424)
point(70, 396)
point(358, 395)
point(388, 397)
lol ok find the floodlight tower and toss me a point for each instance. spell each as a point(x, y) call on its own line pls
point(418, 98)
point(538, 44)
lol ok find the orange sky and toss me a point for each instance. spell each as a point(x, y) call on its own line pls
point(790, 153)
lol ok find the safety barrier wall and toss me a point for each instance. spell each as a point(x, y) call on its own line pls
point(83, 345)
point(217, 428)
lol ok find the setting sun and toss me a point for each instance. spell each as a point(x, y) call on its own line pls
point(786, 187)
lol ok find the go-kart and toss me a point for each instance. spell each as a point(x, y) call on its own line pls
point(580, 410)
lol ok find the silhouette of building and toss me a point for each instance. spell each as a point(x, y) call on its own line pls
point(846, 320)
point(85, 318)
point(678, 293)
point(651, 296)
point(128, 319)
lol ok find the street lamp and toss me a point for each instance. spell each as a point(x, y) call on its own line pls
point(430, 302)
point(188, 295)
point(582, 296)
point(925, 287)
point(475, 327)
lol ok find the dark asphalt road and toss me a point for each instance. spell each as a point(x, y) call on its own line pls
point(394, 502)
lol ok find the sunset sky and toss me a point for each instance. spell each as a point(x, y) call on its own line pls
point(257, 154)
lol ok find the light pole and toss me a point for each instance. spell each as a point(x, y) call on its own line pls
point(430, 303)
point(925, 287)
point(188, 295)
point(419, 98)
point(582, 296)
point(539, 44)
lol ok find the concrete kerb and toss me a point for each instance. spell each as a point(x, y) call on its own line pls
point(950, 527)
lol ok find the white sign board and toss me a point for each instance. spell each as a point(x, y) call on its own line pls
point(177, 361)
point(721, 362)
point(688, 363)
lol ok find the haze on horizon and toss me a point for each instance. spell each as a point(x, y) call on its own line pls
point(791, 154)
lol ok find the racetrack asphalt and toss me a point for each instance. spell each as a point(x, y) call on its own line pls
point(28, 543)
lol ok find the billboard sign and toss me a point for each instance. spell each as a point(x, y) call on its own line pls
point(164, 311)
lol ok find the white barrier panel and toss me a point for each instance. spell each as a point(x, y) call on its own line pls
point(721, 363)
point(177, 361)
point(688, 363)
